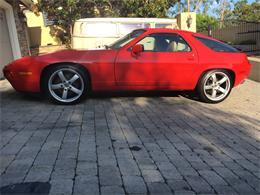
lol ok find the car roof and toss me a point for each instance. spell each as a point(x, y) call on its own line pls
point(178, 31)
point(168, 30)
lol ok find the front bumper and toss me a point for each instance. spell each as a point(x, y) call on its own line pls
point(21, 80)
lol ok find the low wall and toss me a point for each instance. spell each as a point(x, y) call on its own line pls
point(46, 49)
point(255, 71)
point(245, 36)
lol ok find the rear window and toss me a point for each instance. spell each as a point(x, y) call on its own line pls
point(216, 46)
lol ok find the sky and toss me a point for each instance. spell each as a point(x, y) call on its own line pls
point(215, 5)
point(249, 1)
point(212, 8)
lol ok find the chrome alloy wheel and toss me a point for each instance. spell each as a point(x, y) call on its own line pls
point(217, 86)
point(66, 85)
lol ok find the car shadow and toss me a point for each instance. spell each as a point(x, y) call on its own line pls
point(11, 94)
point(186, 94)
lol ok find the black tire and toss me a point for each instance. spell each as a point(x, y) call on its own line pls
point(203, 92)
point(78, 88)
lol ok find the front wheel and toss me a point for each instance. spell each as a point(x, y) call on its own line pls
point(65, 84)
point(214, 86)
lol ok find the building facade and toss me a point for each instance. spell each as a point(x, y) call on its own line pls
point(14, 40)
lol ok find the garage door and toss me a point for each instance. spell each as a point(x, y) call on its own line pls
point(6, 54)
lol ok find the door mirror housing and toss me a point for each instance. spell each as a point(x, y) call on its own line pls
point(137, 49)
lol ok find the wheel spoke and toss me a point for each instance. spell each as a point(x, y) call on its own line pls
point(65, 94)
point(62, 77)
point(222, 80)
point(75, 90)
point(56, 86)
point(214, 78)
point(222, 90)
point(208, 87)
point(214, 93)
point(74, 78)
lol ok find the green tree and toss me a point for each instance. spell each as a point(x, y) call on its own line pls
point(198, 6)
point(147, 8)
point(246, 12)
point(203, 21)
point(66, 12)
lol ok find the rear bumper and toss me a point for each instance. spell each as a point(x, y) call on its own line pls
point(242, 73)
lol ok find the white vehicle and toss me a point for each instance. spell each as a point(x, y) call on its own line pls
point(91, 33)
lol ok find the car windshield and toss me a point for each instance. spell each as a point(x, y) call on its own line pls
point(126, 39)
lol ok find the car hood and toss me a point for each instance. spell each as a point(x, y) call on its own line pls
point(67, 56)
point(77, 56)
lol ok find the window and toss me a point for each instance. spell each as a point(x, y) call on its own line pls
point(160, 25)
point(126, 39)
point(148, 43)
point(98, 29)
point(165, 42)
point(216, 46)
point(125, 28)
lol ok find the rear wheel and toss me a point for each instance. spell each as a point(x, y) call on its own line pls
point(65, 84)
point(214, 86)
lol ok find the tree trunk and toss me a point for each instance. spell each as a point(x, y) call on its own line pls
point(197, 6)
point(222, 13)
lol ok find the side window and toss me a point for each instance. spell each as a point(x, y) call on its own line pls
point(148, 43)
point(216, 46)
point(165, 42)
point(180, 45)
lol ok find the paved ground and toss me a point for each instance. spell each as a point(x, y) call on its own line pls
point(159, 144)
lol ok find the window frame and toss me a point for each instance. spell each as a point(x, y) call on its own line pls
point(169, 33)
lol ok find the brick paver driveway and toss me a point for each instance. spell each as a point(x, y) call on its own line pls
point(158, 144)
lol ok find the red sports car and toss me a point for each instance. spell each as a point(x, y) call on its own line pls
point(145, 59)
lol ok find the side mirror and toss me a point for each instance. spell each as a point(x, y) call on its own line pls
point(137, 49)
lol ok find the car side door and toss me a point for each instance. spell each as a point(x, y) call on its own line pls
point(166, 62)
